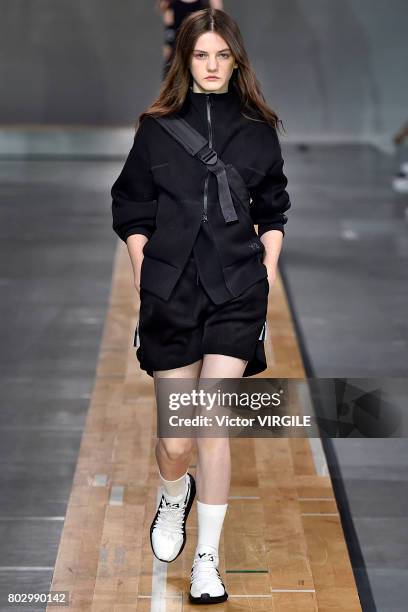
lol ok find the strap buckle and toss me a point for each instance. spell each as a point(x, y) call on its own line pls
point(208, 157)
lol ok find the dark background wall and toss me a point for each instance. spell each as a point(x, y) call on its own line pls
point(333, 68)
point(77, 61)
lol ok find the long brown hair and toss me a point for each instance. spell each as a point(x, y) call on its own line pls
point(178, 79)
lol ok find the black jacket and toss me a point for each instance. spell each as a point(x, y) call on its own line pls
point(165, 194)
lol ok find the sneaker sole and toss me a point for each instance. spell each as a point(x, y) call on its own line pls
point(206, 599)
point(188, 508)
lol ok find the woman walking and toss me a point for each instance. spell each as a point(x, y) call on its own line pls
point(202, 271)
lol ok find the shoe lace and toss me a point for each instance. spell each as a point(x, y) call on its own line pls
point(170, 518)
point(204, 565)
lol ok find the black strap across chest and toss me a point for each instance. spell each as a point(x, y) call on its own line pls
point(196, 145)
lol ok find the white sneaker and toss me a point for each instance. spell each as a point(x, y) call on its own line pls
point(206, 586)
point(168, 529)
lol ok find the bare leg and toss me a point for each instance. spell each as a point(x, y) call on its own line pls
point(174, 454)
point(213, 473)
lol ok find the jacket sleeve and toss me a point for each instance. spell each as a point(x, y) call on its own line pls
point(270, 199)
point(134, 198)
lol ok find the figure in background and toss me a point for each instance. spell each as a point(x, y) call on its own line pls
point(400, 179)
point(173, 13)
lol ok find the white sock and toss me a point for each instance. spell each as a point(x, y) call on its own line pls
point(210, 520)
point(174, 490)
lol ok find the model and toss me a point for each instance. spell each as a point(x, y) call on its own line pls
point(202, 271)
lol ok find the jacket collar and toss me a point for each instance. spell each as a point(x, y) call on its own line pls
point(218, 100)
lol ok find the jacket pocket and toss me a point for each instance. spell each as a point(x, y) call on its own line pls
point(158, 277)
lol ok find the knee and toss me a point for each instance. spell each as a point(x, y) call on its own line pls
point(176, 449)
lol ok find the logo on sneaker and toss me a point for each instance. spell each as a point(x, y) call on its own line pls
point(206, 585)
point(210, 557)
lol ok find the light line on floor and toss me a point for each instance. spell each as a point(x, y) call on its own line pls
point(159, 575)
point(293, 590)
point(244, 497)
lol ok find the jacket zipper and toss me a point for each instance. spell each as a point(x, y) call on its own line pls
point(205, 217)
point(208, 101)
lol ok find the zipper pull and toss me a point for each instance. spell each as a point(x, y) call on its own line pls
point(204, 217)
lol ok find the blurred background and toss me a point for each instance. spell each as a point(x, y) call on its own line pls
point(74, 77)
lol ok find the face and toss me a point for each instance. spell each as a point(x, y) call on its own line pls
point(211, 57)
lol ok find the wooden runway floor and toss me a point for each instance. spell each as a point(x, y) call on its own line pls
point(282, 544)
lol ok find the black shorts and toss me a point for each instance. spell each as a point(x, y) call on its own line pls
point(175, 333)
